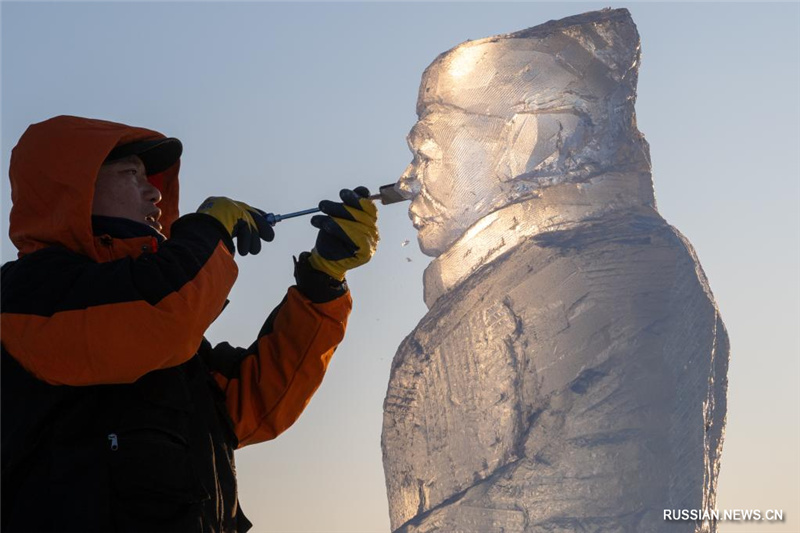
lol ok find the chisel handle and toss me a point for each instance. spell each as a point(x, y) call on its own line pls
point(387, 195)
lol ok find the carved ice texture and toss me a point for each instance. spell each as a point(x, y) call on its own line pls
point(570, 374)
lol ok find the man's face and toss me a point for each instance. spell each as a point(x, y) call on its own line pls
point(123, 191)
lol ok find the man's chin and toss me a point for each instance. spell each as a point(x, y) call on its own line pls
point(152, 224)
point(158, 228)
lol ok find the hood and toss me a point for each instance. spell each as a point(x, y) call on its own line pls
point(53, 171)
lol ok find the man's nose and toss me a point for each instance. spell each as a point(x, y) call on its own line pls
point(408, 184)
point(151, 193)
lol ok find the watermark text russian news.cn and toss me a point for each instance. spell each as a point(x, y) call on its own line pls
point(716, 515)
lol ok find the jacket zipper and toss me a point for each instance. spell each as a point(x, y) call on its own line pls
point(175, 438)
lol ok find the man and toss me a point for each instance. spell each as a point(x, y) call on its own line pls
point(117, 414)
point(570, 374)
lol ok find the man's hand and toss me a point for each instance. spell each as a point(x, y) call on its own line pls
point(348, 236)
point(248, 224)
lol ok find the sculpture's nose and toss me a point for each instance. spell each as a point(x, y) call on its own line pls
point(408, 184)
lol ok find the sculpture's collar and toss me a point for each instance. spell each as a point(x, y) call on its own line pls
point(487, 239)
point(557, 207)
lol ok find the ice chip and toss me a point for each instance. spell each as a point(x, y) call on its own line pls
point(571, 371)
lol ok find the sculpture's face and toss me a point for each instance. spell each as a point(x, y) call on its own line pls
point(504, 117)
point(487, 114)
point(452, 177)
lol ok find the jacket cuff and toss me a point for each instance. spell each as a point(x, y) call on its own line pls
point(210, 228)
point(317, 286)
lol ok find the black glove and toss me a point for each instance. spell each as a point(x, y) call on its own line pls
point(348, 236)
point(248, 224)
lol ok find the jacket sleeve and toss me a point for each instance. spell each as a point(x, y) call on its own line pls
point(268, 385)
point(71, 321)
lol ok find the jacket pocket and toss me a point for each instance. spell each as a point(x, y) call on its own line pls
point(153, 480)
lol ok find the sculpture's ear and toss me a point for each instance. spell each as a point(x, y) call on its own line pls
point(539, 145)
point(522, 133)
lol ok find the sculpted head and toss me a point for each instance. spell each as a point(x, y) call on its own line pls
point(502, 118)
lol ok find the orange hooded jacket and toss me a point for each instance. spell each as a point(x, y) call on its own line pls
point(82, 309)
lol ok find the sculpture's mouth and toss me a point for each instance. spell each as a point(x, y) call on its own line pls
point(420, 221)
point(426, 210)
point(417, 221)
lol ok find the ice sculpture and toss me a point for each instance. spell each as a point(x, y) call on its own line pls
point(570, 374)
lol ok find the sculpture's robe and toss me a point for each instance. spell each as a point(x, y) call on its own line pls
point(576, 381)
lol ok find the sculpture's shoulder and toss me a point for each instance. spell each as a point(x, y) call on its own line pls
point(618, 237)
point(625, 255)
point(639, 227)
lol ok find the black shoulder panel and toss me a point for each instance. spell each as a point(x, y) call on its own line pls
point(56, 279)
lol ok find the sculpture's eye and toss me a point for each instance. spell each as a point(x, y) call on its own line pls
point(429, 150)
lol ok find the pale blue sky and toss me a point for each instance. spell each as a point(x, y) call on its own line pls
point(281, 105)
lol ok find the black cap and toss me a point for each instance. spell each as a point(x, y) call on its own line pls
point(157, 155)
